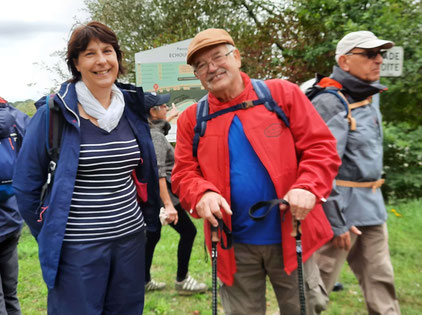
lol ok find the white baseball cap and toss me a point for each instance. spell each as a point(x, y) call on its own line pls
point(360, 39)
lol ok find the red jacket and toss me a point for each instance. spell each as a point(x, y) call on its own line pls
point(302, 156)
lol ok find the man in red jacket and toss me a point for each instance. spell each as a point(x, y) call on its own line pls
point(250, 155)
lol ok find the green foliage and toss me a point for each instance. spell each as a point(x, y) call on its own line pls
point(146, 24)
point(402, 161)
point(26, 106)
point(292, 39)
point(321, 23)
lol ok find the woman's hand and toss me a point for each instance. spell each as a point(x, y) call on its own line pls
point(172, 216)
point(172, 113)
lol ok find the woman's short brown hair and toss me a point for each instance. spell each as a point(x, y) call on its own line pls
point(80, 39)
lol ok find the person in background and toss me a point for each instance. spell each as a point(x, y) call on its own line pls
point(251, 155)
point(12, 129)
point(356, 208)
point(91, 226)
point(159, 118)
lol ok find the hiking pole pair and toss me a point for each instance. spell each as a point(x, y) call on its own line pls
point(296, 233)
point(216, 236)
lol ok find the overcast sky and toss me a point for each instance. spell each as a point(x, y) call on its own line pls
point(30, 32)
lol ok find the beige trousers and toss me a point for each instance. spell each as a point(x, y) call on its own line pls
point(369, 259)
point(254, 263)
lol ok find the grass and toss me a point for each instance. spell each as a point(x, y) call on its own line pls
point(405, 247)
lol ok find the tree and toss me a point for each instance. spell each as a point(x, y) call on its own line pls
point(146, 24)
point(321, 23)
point(292, 39)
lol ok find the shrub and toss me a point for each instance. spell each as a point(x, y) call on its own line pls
point(402, 161)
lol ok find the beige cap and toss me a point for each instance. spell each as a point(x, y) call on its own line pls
point(209, 37)
point(360, 39)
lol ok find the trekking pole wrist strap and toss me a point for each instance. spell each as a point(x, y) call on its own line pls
point(221, 229)
point(269, 204)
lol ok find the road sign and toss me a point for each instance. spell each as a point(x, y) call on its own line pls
point(392, 66)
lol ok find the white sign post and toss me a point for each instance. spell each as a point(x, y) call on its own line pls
point(392, 66)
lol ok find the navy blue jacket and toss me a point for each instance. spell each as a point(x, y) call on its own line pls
point(12, 129)
point(32, 168)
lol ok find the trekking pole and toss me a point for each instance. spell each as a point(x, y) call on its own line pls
point(214, 241)
point(258, 212)
point(298, 236)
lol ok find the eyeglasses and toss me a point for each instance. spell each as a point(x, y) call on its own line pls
point(158, 107)
point(216, 60)
point(370, 54)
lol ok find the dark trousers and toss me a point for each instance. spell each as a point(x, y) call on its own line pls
point(9, 304)
point(100, 278)
point(187, 232)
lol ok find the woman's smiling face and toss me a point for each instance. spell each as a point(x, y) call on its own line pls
point(98, 65)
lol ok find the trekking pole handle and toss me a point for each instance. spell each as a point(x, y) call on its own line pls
point(296, 229)
point(214, 234)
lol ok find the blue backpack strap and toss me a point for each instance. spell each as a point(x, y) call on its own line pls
point(202, 117)
point(264, 93)
point(202, 110)
point(335, 92)
point(264, 98)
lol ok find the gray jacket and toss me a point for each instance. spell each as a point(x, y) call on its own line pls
point(361, 153)
point(164, 152)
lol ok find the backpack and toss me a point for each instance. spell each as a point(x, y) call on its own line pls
point(264, 98)
point(8, 152)
point(327, 85)
point(54, 127)
point(10, 140)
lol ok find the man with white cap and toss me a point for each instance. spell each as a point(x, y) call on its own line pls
point(251, 155)
point(356, 208)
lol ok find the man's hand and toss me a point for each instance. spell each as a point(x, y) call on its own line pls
point(208, 207)
point(301, 202)
point(343, 241)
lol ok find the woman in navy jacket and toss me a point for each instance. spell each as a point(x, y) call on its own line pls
point(91, 227)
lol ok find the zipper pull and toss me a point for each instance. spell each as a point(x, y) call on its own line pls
point(11, 144)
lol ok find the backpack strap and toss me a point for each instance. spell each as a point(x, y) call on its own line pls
point(347, 106)
point(264, 93)
point(344, 102)
point(202, 109)
point(54, 128)
point(264, 98)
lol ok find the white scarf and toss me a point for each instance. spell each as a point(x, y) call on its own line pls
point(107, 119)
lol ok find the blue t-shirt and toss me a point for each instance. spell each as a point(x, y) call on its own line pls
point(250, 183)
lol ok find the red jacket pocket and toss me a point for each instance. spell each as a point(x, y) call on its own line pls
point(141, 188)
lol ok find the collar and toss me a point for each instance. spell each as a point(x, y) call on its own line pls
point(356, 88)
point(247, 94)
point(160, 125)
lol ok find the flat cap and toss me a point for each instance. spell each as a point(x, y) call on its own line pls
point(209, 37)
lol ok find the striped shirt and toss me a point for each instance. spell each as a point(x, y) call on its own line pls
point(104, 204)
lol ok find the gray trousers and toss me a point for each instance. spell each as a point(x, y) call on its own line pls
point(247, 294)
point(369, 259)
point(9, 303)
